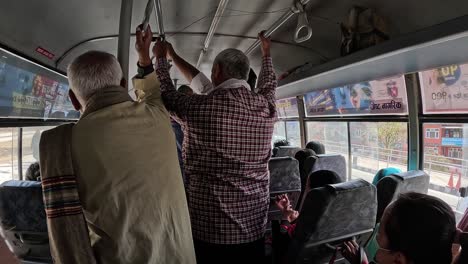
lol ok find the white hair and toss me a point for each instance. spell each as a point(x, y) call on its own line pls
point(234, 64)
point(93, 71)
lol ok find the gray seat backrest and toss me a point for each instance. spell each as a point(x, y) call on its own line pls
point(388, 188)
point(284, 179)
point(330, 215)
point(23, 221)
point(331, 162)
point(286, 151)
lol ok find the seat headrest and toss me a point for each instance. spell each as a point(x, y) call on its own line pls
point(331, 162)
point(337, 210)
point(22, 206)
point(390, 187)
point(339, 188)
point(284, 174)
point(286, 151)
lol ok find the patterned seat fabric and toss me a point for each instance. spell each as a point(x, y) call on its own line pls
point(23, 220)
point(330, 215)
point(284, 178)
point(331, 162)
point(286, 151)
point(388, 188)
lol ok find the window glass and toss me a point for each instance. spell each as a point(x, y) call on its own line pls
point(287, 107)
point(385, 96)
point(28, 90)
point(445, 90)
point(8, 154)
point(31, 138)
point(333, 135)
point(293, 133)
point(446, 161)
point(378, 145)
point(279, 132)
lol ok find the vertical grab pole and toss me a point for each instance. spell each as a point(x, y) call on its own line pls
point(159, 18)
point(125, 24)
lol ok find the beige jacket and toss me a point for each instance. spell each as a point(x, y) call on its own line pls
point(129, 180)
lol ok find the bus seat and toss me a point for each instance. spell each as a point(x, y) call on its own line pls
point(23, 223)
point(285, 151)
point(331, 215)
point(390, 187)
point(331, 162)
point(284, 179)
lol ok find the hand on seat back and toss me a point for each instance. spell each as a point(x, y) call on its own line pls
point(142, 45)
point(352, 253)
point(284, 205)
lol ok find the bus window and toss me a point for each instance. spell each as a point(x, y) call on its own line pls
point(279, 132)
point(293, 133)
point(333, 135)
point(378, 145)
point(446, 161)
point(31, 138)
point(8, 154)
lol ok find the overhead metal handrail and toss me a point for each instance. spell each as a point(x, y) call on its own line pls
point(147, 15)
point(214, 24)
point(159, 17)
point(123, 46)
point(285, 17)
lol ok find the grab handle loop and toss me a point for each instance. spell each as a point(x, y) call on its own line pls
point(302, 23)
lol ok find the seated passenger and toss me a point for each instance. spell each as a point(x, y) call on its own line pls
point(316, 146)
point(384, 173)
point(416, 228)
point(279, 143)
point(179, 133)
point(315, 180)
point(33, 173)
point(125, 159)
point(228, 178)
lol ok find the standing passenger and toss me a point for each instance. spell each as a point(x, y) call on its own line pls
point(227, 146)
point(125, 160)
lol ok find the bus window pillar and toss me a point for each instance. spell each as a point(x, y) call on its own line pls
point(125, 24)
point(414, 127)
point(302, 126)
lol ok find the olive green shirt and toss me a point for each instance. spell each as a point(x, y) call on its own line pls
point(129, 180)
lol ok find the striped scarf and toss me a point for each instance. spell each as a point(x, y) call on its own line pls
point(67, 228)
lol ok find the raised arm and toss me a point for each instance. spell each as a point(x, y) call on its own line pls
point(198, 81)
point(176, 102)
point(145, 83)
point(267, 78)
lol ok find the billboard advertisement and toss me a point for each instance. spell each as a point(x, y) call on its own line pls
point(385, 97)
point(445, 90)
point(287, 107)
point(26, 94)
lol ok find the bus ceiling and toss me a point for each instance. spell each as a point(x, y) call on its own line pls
point(199, 29)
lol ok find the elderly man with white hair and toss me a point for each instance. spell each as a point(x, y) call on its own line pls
point(227, 146)
point(125, 160)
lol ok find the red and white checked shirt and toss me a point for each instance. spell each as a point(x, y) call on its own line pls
point(227, 145)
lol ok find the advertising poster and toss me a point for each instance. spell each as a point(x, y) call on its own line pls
point(445, 90)
point(24, 94)
point(386, 96)
point(287, 107)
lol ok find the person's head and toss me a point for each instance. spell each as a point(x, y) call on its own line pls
point(91, 72)
point(185, 89)
point(281, 143)
point(316, 146)
point(321, 178)
point(384, 173)
point(230, 63)
point(302, 154)
point(416, 229)
point(252, 81)
point(33, 172)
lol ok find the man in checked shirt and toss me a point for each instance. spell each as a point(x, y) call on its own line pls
point(227, 146)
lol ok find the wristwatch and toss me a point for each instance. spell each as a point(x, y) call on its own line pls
point(143, 71)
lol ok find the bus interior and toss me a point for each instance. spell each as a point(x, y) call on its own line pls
point(380, 84)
